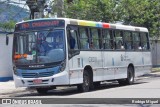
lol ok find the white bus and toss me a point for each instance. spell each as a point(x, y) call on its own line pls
point(64, 52)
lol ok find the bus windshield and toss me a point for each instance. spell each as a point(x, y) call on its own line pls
point(39, 47)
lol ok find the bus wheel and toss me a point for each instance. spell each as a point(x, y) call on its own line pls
point(85, 86)
point(130, 77)
point(42, 90)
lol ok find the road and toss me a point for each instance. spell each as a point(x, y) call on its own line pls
point(144, 87)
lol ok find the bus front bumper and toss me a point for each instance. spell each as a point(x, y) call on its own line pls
point(55, 80)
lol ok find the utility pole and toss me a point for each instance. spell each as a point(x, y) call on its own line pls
point(36, 7)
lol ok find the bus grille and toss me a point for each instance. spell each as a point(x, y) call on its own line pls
point(37, 74)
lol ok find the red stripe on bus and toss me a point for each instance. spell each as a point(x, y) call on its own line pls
point(106, 25)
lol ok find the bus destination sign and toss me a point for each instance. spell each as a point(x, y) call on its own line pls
point(32, 25)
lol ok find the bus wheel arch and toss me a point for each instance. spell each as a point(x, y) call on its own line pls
point(87, 84)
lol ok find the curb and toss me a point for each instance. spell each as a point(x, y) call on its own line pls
point(154, 71)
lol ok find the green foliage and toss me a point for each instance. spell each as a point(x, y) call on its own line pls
point(143, 13)
point(8, 25)
point(97, 10)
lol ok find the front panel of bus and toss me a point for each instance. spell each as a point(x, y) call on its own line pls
point(39, 53)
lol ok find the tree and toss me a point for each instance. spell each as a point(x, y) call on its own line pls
point(143, 13)
point(9, 26)
point(57, 7)
point(140, 13)
point(97, 10)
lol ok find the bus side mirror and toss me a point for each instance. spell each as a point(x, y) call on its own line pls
point(7, 40)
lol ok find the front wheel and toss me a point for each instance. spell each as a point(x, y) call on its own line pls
point(85, 86)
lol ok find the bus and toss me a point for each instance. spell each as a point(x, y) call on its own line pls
point(53, 52)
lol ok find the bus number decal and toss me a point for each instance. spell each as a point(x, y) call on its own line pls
point(125, 58)
point(92, 59)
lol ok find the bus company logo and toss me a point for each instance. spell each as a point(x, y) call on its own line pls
point(92, 59)
point(36, 66)
point(6, 101)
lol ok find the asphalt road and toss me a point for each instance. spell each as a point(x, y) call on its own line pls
point(147, 86)
point(144, 87)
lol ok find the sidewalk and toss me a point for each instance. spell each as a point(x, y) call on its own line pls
point(9, 87)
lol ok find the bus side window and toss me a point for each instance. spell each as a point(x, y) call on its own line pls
point(95, 38)
point(144, 41)
point(119, 40)
point(136, 41)
point(107, 42)
point(84, 38)
point(72, 39)
point(128, 40)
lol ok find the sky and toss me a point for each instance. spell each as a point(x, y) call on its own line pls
point(20, 3)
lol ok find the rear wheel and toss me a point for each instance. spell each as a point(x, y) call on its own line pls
point(86, 85)
point(130, 77)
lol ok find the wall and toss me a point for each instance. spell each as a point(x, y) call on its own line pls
point(6, 57)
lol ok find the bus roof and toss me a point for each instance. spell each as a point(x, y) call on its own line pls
point(106, 25)
point(95, 24)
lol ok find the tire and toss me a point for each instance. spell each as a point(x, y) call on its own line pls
point(130, 77)
point(86, 85)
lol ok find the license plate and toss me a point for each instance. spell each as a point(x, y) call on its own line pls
point(37, 81)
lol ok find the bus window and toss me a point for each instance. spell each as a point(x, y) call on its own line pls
point(144, 41)
point(72, 42)
point(84, 38)
point(107, 39)
point(94, 44)
point(119, 40)
point(128, 40)
point(136, 41)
